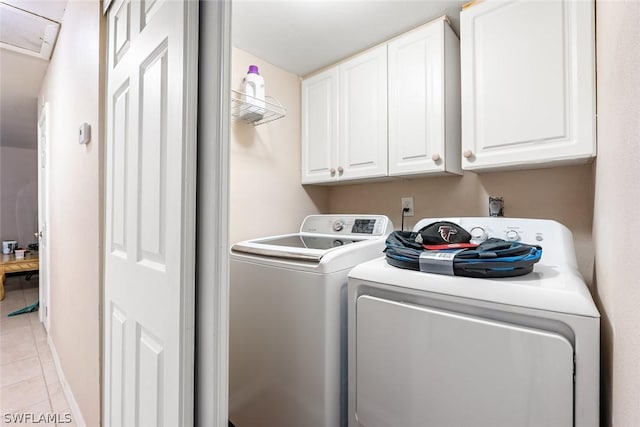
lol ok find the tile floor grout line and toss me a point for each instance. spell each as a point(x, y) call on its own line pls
point(20, 360)
point(33, 328)
point(5, 317)
point(30, 406)
point(20, 381)
point(3, 320)
point(44, 378)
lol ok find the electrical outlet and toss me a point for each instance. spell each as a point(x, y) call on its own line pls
point(407, 202)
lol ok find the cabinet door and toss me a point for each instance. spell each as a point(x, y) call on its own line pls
point(528, 95)
point(363, 116)
point(416, 101)
point(320, 127)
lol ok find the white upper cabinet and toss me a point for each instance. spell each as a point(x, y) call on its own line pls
point(393, 110)
point(320, 127)
point(424, 101)
point(528, 85)
point(344, 120)
point(362, 119)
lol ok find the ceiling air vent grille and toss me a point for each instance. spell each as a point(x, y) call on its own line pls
point(27, 33)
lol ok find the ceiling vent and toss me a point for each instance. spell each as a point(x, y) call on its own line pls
point(27, 33)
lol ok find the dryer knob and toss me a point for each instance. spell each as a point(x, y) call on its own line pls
point(512, 235)
point(338, 225)
point(478, 235)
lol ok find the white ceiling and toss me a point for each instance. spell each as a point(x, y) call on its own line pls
point(26, 32)
point(302, 36)
point(21, 78)
point(297, 35)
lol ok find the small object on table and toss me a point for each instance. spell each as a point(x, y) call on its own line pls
point(9, 264)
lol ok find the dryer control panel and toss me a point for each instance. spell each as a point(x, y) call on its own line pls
point(359, 225)
point(555, 239)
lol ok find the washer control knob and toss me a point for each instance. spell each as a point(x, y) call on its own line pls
point(512, 235)
point(338, 225)
point(478, 235)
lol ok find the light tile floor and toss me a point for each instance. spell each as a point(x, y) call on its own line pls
point(29, 383)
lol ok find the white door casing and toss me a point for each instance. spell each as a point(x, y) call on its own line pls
point(149, 265)
point(213, 214)
point(43, 213)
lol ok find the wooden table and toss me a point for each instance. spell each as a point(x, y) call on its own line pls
point(9, 264)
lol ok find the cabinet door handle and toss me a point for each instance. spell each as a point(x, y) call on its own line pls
point(340, 170)
point(333, 172)
point(467, 154)
point(435, 157)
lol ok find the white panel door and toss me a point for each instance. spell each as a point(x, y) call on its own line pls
point(320, 127)
point(528, 94)
point(150, 213)
point(416, 101)
point(362, 131)
point(417, 367)
point(43, 214)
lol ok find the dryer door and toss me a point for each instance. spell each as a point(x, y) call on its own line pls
point(417, 366)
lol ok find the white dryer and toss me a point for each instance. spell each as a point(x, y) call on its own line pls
point(288, 357)
point(441, 351)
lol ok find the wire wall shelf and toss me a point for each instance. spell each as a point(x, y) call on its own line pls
point(254, 111)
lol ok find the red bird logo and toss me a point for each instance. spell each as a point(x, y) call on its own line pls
point(446, 232)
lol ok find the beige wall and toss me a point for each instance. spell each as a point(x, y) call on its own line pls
point(266, 197)
point(18, 194)
point(616, 224)
point(563, 194)
point(72, 88)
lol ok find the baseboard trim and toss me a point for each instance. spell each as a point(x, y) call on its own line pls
point(71, 400)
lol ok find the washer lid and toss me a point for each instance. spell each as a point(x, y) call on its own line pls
point(299, 246)
point(548, 287)
point(320, 235)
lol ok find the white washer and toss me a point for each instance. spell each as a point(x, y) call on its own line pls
point(287, 361)
point(435, 350)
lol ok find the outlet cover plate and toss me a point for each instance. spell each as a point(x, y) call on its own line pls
point(407, 202)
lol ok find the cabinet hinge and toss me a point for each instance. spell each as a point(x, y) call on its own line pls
point(471, 3)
